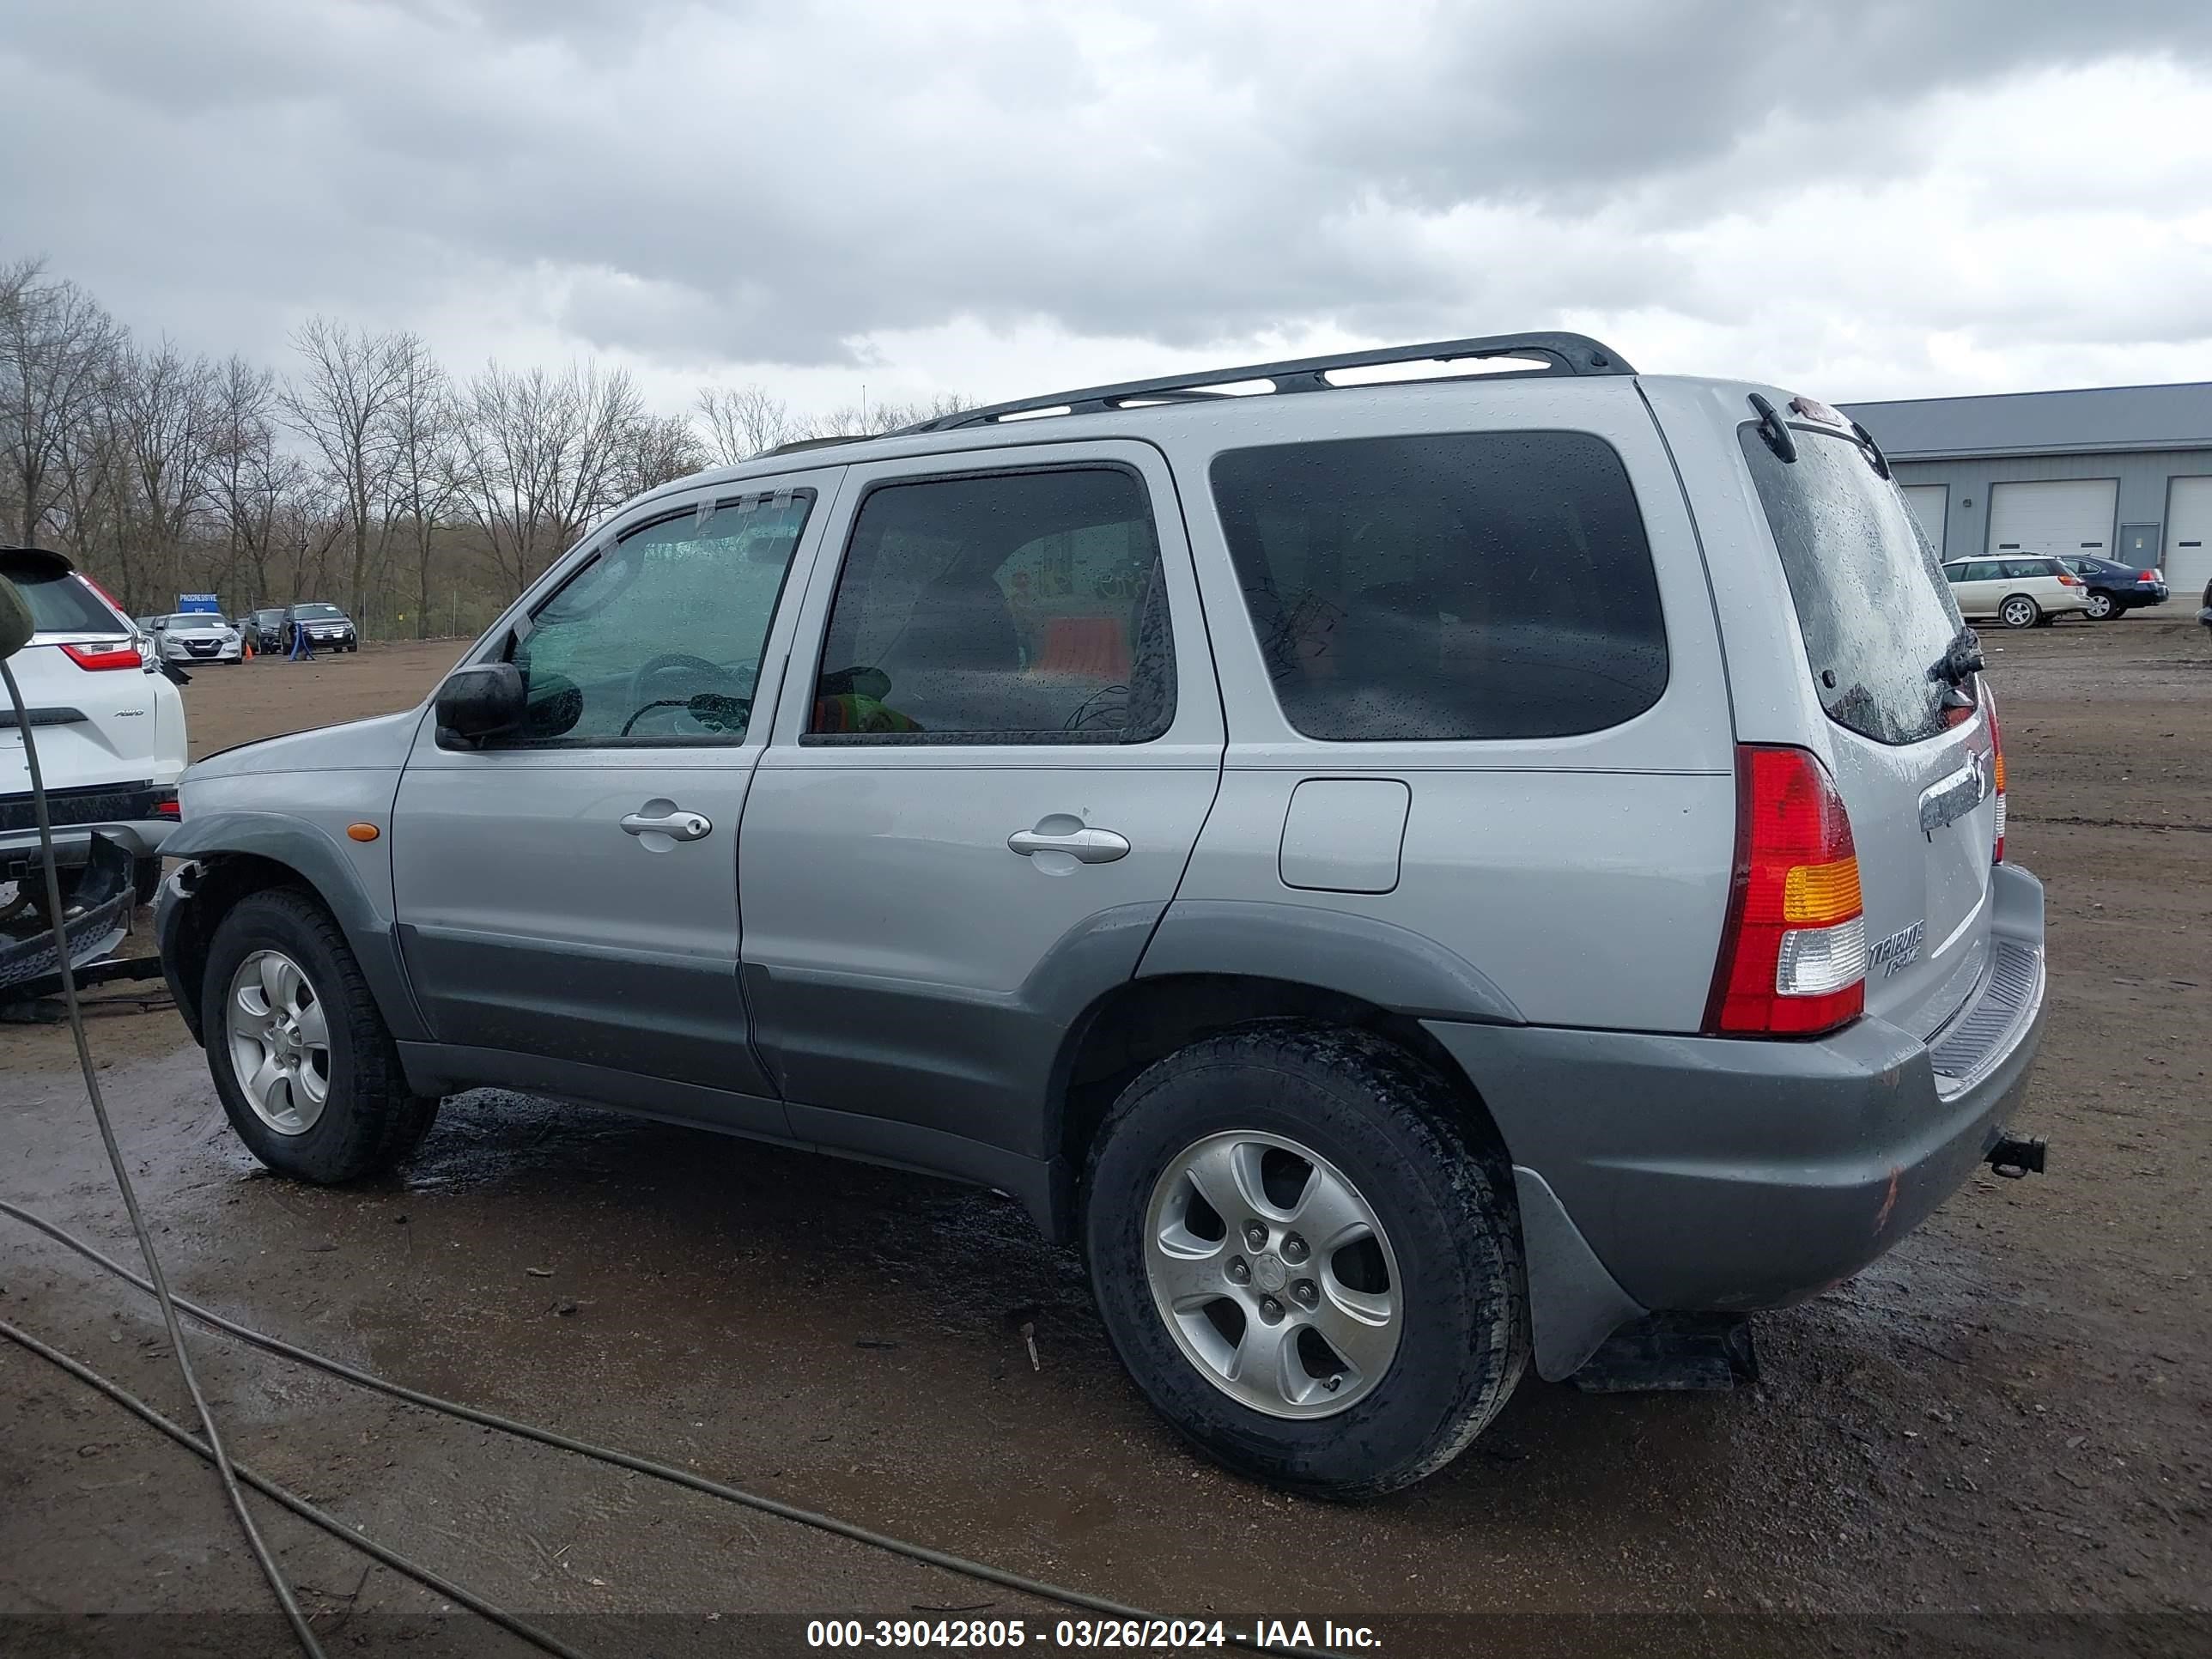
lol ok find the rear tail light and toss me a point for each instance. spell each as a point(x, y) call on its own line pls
point(98, 657)
point(2065, 580)
point(1793, 953)
point(1996, 768)
point(166, 806)
point(2148, 576)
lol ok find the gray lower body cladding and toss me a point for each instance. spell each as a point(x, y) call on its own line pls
point(1698, 1173)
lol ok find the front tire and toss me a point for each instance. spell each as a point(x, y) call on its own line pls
point(2019, 611)
point(1308, 1264)
point(301, 1057)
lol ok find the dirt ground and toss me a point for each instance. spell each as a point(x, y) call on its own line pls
point(1996, 1440)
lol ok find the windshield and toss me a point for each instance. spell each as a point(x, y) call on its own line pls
point(316, 612)
point(1873, 608)
point(60, 603)
point(192, 619)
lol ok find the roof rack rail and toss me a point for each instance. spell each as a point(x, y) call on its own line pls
point(794, 446)
point(1562, 353)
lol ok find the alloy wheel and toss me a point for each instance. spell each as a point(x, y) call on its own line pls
point(1273, 1274)
point(280, 1041)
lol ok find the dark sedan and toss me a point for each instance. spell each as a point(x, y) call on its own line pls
point(2117, 589)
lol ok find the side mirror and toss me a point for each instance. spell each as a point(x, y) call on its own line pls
point(479, 703)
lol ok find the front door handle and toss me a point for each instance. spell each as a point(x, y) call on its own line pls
point(1084, 845)
point(678, 825)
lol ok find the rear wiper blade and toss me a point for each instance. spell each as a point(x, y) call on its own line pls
point(1962, 660)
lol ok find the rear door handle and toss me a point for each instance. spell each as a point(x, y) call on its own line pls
point(677, 826)
point(1084, 846)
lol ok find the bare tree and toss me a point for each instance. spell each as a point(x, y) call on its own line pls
point(247, 476)
point(657, 449)
point(425, 471)
point(57, 345)
point(540, 459)
point(165, 407)
point(743, 421)
point(342, 405)
point(873, 420)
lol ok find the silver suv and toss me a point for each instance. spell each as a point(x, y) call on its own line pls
point(1408, 877)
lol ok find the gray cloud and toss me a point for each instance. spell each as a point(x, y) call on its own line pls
point(774, 182)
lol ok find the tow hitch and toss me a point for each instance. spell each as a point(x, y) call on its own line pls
point(2015, 1156)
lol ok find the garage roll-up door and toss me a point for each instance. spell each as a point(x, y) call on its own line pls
point(2073, 516)
point(2188, 557)
point(1928, 502)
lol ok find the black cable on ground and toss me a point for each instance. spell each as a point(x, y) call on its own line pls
point(299, 1506)
point(57, 918)
point(975, 1570)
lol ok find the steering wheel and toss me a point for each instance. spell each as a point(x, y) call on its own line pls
point(656, 686)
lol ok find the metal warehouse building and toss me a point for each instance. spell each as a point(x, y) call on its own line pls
point(2117, 472)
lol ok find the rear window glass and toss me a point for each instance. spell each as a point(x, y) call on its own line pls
point(1873, 607)
point(1449, 586)
point(60, 603)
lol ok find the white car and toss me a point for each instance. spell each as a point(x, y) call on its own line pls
point(2020, 592)
point(197, 636)
point(110, 730)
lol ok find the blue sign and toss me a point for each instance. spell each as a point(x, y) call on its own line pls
point(199, 602)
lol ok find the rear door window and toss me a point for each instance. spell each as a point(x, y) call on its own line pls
point(1003, 608)
point(1984, 570)
point(1451, 586)
point(1873, 608)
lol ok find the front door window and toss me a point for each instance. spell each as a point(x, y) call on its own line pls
point(658, 640)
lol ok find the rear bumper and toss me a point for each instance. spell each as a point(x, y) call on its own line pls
point(1661, 1172)
point(124, 813)
point(99, 894)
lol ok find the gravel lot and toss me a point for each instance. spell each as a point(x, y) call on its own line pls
point(2006, 1418)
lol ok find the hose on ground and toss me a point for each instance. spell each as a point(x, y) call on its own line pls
point(621, 1460)
point(57, 918)
point(292, 1501)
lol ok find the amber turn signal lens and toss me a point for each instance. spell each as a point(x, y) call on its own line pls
point(363, 831)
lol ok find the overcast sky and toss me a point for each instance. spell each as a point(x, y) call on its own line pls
point(1860, 199)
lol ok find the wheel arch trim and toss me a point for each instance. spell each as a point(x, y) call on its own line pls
point(316, 860)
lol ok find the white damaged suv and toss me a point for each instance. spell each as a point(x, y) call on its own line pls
point(110, 730)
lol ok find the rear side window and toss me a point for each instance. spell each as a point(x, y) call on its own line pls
point(1018, 607)
point(2019, 569)
point(60, 602)
point(1451, 586)
point(1873, 607)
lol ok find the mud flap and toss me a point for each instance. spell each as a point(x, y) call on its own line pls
point(1673, 1352)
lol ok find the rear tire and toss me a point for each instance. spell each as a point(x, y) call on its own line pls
point(341, 1110)
point(2018, 610)
point(2102, 609)
point(1234, 1343)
